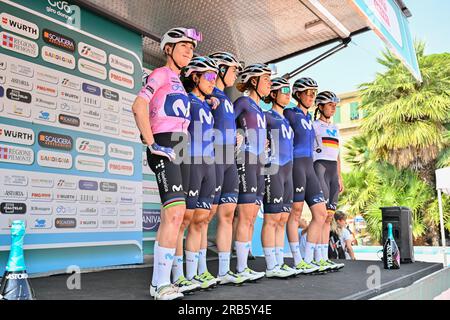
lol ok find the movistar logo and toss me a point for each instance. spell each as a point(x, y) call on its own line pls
point(177, 188)
point(306, 124)
point(228, 106)
point(260, 121)
point(278, 200)
point(205, 117)
point(193, 193)
point(286, 132)
point(332, 132)
point(299, 189)
point(168, 256)
point(254, 189)
point(180, 109)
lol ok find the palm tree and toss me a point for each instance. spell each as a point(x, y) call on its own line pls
point(405, 119)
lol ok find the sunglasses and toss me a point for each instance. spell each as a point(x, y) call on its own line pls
point(193, 34)
point(210, 76)
point(311, 92)
point(285, 90)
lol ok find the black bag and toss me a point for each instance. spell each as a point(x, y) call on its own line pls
point(335, 249)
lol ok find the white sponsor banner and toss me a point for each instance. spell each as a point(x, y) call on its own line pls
point(53, 159)
point(129, 133)
point(108, 211)
point(40, 223)
point(16, 134)
point(21, 69)
point(18, 44)
point(44, 102)
point(64, 209)
point(44, 115)
point(13, 154)
point(18, 109)
point(15, 180)
point(111, 106)
point(127, 223)
point(42, 182)
point(66, 183)
point(87, 223)
point(58, 57)
point(108, 223)
point(46, 89)
point(38, 195)
point(121, 79)
point(18, 25)
point(127, 211)
point(69, 107)
point(121, 64)
point(108, 199)
point(20, 83)
point(40, 209)
point(90, 146)
point(92, 69)
point(88, 210)
point(91, 112)
point(92, 164)
point(13, 194)
point(66, 196)
point(120, 151)
point(47, 77)
point(71, 83)
point(88, 197)
point(70, 95)
point(111, 117)
point(127, 189)
point(2, 78)
point(120, 167)
point(110, 129)
point(91, 125)
point(93, 53)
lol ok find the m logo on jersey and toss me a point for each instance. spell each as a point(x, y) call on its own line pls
point(177, 188)
point(261, 121)
point(307, 125)
point(178, 108)
point(228, 106)
point(332, 133)
point(193, 193)
point(205, 116)
point(286, 132)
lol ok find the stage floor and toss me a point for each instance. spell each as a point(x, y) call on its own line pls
point(348, 283)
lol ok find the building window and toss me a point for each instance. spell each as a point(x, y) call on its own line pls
point(354, 112)
point(337, 115)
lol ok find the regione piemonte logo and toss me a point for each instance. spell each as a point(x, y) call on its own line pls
point(18, 44)
point(13, 154)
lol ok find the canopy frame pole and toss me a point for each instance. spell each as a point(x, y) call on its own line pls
point(317, 59)
point(441, 218)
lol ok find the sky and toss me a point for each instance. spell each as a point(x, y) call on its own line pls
point(356, 64)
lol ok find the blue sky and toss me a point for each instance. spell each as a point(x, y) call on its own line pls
point(345, 70)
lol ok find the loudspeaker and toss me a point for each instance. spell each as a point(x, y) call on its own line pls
point(401, 220)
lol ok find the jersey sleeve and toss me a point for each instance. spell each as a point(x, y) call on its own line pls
point(289, 114)
point(155, 80)
point(239, 107)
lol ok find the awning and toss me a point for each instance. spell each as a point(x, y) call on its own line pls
point(256, 31)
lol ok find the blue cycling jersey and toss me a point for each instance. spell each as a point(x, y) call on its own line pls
point(201, 128)
point(281, 137)
point(250, 117)
point(303, 132)
point(224, 121)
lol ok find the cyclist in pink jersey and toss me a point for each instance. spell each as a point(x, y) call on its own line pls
point(161, 111)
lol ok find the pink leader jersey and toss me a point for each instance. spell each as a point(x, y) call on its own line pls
point(168, 102)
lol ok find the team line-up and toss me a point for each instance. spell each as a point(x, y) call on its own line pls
point(211, 156)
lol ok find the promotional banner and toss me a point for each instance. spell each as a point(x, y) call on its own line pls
point(388, 22)
point(70, 152)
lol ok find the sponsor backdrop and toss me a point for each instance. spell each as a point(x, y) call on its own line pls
point(70, 154)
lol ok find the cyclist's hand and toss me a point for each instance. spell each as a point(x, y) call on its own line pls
point(213, 102)
point(162, 151)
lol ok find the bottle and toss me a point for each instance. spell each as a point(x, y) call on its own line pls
point(15, 284)
point(391, 254)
